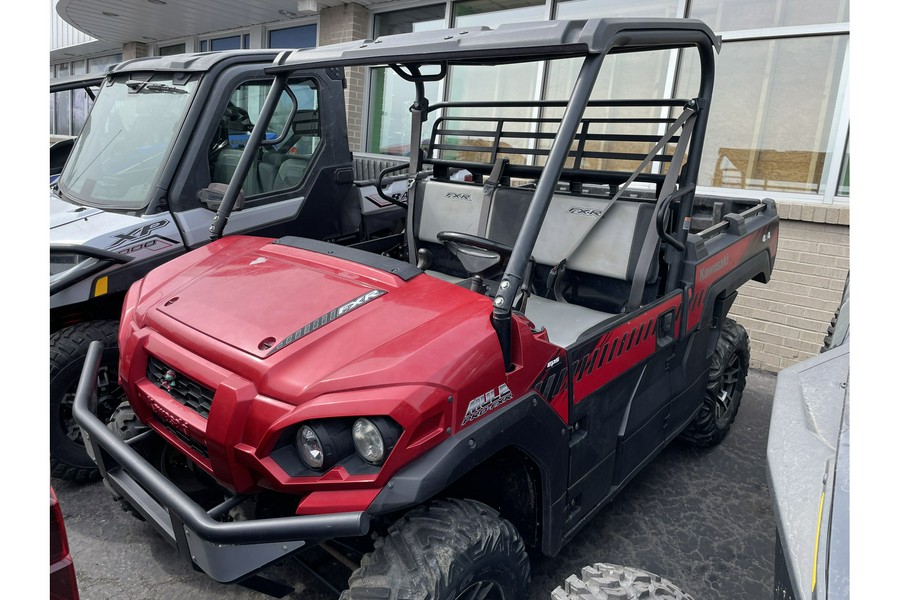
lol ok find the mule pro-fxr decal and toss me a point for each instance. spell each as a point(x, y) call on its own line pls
point(327, 318)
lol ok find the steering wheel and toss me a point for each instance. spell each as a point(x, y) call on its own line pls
point(477, 254)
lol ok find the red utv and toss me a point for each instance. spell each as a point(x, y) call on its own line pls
point(551, 326)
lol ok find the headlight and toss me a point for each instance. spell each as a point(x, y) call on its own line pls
point(322, 444)
point(368, 441)
point(310, 448)
point(375, 437)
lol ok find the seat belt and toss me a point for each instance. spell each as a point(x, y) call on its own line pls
point(684, 119)
point(648, 249)
point(490, 186)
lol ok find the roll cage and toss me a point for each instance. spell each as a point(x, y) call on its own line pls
point(420, 57)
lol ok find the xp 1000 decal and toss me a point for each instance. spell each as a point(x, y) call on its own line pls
point(145, 240)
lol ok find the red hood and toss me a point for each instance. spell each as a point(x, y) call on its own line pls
point(258, 296)
point(299, 323)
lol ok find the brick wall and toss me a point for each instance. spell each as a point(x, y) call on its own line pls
point(787, 318)
point(345, 23)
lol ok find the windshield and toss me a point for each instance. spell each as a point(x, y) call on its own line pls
point(125, 140)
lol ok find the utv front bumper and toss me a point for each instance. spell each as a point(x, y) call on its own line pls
point(226, 552)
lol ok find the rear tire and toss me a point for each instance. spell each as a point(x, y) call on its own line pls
point(839, 317)
point(68, 349)
point(724, 388)
point(446, 550)
point(602, 581)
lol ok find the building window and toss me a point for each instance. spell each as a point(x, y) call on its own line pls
point(101, 63)
point(772, 114)
point(235, 41)
point(390, 97)
point(69, 109)
point(585, 9)
point(303, 36)
point(470, 13)
point(844, 182)
point(173, 49)
point(232, 42)
point(738, 15)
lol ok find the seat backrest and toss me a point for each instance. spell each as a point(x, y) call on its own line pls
point(612, 245)
point(366, 169)
point(449, 206)
point(290, 173)
point(225, 165)
point(608, 250)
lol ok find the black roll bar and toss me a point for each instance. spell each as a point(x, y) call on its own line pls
point(531, 227)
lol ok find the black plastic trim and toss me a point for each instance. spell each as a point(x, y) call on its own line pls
point(528, 424)
point(404, 271)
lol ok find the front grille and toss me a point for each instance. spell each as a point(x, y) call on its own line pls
point(180, 387)
point(188, 441)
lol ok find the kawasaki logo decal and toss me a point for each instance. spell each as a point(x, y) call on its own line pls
point(327, 318)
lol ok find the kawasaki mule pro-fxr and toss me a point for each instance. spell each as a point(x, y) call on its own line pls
point(563, 318)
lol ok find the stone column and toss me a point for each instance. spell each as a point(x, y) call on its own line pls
point(346, 23)
point(134, 50)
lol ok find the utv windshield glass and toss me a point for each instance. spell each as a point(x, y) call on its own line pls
point(128, 134)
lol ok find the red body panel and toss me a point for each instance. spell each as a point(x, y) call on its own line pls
point(716, 266)
point(63, 585)
point(622, 348)
point(419, 353)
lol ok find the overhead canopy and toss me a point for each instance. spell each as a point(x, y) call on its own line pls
point(509, 43)
point(193, 62)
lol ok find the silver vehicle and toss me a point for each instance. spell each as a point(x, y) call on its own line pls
point(808, 460)
point(144, 182)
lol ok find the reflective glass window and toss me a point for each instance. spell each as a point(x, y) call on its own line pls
point(226, 43)
point(390, 97)
point(170, 50)
point(585, 9)
point(100, 63)
point(772, 113)
point(735, 15)
point(303, 36)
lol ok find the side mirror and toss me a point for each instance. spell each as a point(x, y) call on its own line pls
point(212, 196)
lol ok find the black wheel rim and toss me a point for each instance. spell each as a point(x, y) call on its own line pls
point(482, 590)
point(730, 378)
point(109, 396)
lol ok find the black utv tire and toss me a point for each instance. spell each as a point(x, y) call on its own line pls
point(603, 581)
point(68, 348)
point(445, 550)
point(724, 388)
point(829, 342)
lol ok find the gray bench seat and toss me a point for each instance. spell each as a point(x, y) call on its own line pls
point(564, 322)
